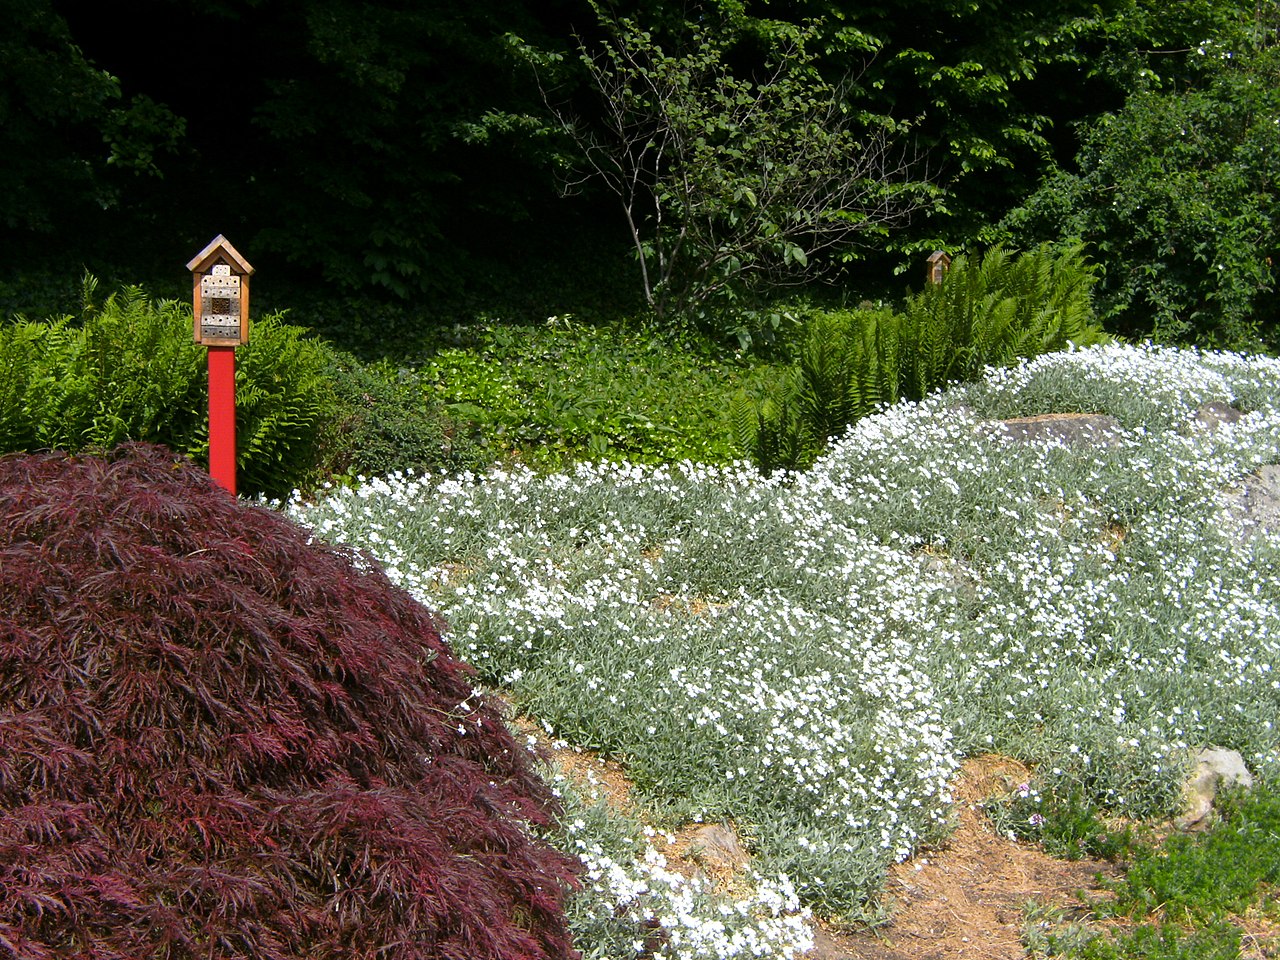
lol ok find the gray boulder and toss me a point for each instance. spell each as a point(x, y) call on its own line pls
point(1070, 429)
point(1216, 767)
point(1256, 505)
point(1210, 416)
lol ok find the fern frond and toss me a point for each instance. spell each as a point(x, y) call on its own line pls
point(993, 311)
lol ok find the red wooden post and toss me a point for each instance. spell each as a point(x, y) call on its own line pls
point(220, 314)
point(222, 417)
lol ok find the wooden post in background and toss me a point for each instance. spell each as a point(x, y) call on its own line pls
point(939, 264)
point(222, 417)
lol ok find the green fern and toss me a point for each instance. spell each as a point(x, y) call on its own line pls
point(988, 312)
point(829, 396)
point(840, 377)
point(21, 344)
point(994, 311)
point(283, 401)
point(770, 429)
point(128, 369)
point(744, 415)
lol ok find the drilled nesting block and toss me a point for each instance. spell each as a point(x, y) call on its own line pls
point(221, 294)
point(220, 300)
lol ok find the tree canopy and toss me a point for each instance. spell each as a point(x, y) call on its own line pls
point(1178, 195)
point(407, 148)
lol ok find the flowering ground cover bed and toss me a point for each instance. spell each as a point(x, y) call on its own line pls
point(811, 657)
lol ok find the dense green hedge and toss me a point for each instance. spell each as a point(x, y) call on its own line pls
point(1178, 197)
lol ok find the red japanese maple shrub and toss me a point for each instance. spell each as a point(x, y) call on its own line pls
point(218, 739)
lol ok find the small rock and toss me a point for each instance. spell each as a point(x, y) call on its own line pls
point(1071, 429)
point(1216, 767)
point(1210, 416)
point(825, 947)
point(716, 845)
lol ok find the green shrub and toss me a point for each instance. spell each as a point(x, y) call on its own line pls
point(1183, 895)
point(385, 424)
point(1209, 877)
point(988, 312)
point(1177, 194)
point(846, 366)
point(21, 346)
point(1166, 942)
point(120, 371)
point(128, 369)
point(770, 429)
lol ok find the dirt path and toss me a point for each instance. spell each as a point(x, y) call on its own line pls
point(963, 901)
point(966, 900)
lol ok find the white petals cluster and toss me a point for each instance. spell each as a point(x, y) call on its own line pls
point(693, 923)
point(812, 655)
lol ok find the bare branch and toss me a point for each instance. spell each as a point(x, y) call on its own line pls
point(744, 183)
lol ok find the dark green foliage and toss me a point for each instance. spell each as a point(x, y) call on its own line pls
point(341, 141)
point(128, 369)
point(385, 424)
point(1167, 942)
point(1178, 197)
point(556, 392)
point(371, 114)
point(220, 739)
point(69, 137)
point(404, 148)
point(1206, 878)
point(986, 313)
point(990, 86)
point(737, 167)
point(1063, 823)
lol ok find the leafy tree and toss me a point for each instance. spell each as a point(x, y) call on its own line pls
point(67, 132)
point(1177, 194)
point(371, 118)
point(399, 147)
point(997, 88)
point(986, 84)
point(332, 134)
point(735, 175)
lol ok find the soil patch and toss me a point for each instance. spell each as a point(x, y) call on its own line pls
point(966, 900)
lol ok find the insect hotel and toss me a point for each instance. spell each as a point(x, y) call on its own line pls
point(220, 294)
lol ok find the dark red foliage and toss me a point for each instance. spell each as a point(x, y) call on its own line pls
point(218, 740)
